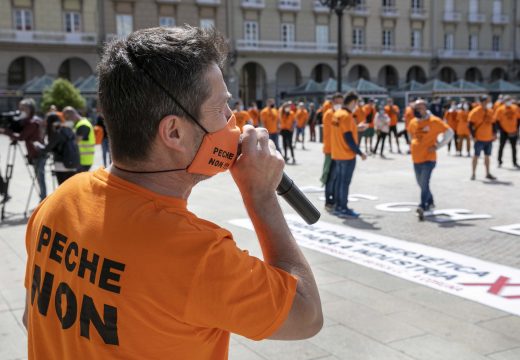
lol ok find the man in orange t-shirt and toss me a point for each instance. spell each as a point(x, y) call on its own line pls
point(328, 176)
point(287, 124)
point(407, 117)
point(450, 115)
point(507, 117)
point(119, 268)
point(241, 116)
point(462, 131)
point(370, 115)
point(269, 119)
point(302, 118)
point(483, 129)
point(424, 130)
point(345, 148)
point(392, 111)
point(254, 114)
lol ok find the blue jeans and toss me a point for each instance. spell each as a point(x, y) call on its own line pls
point(39, 170)
point(423, 173)
point(274, 137)
point(106, 152)
point(331, 184)
point(344, 173)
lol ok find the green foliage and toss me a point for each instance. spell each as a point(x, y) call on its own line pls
point(62, 93)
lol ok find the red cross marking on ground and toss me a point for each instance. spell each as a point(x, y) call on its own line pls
point(496, 287)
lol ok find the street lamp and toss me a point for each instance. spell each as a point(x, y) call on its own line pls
point(339, 7)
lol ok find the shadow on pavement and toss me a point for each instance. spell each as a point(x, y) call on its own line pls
point(361, 224)
point(497, 182)
point(10, 220)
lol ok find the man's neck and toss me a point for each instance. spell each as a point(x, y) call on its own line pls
point(172, 184)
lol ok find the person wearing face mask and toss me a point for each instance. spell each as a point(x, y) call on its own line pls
point(450, 116)
point(463, 133)
point(345, 148)
point(132, 272)
point(424, 129)
point(506, 115)
point(302, 118)
point(32, 131)
point(382, 126)
point(270, 120)
point(328, 176)
point(85, 137)
point(483, 129)
point(370, 114)
point(287, 123)
point(392, 111)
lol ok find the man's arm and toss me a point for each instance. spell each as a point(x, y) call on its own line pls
point(258, 172)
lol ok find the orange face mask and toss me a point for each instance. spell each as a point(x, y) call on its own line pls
point(218, 150)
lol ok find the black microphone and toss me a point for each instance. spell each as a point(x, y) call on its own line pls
point(297, 200)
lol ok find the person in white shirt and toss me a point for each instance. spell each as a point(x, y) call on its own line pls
point(382, 126)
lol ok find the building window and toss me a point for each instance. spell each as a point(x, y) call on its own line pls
point(389, 3)
point(287, 33)
point(449, 6)
point(388, 38)
point(449, 42)
point(322, 34)
point(496, 43)
point(207, 23)
point(417, 4)
point(416, 39)
point(23, 19)
point(473, 42)
point(473, 6)
point(72, 22)
point(358, 37)
point(497, 7)
point(124, 24)
point(251, 32)
point(166, 21)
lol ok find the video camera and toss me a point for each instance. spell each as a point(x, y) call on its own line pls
point(11, 120)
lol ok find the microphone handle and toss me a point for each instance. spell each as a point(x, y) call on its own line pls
point(297, 200)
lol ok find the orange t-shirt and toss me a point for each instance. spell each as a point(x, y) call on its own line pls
point(301, 117)
point(342, 122)
point(393, 113)
point(424, 136)
point(370, 110)
point(269, 118)
point(242, 118)
point(255, 116)
point(117, 271)
point(482, 120)
point(359, 115)
point(507, 118)
point(287, 120)
point(451, 118)
point(408, 116)
point(462, 123)
point(327, 121)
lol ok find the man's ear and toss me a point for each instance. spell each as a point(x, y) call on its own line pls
point(171, 128)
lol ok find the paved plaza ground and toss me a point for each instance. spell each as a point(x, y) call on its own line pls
point(368, 314)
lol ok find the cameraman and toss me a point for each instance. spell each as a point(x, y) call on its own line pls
point(32, 131)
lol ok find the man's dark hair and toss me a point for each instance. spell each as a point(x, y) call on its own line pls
point(133, 103)
point(483, 98)
point(351, 96)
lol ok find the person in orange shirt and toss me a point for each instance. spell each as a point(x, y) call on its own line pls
point(407, 117)
point(424, 129)
point(328, 176)
point(302, 117)
point(242, 117)
point(287, 124)
point(462, 131)
point(499, 102)
point(269, 119)
point(507, 117)
point(345, 148)
point(483, 129)
point(254, 114)
point(312, 121)
point(393, 112)
point(450, 116)
point(368, 134)
point(119, 268)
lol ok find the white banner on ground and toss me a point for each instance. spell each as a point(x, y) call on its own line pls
point(487, 283)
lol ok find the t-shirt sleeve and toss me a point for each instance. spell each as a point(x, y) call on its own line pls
point(83, 132)
point(239, 293)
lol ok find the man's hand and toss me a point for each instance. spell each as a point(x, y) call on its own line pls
point(258, 170)
point(363, 157)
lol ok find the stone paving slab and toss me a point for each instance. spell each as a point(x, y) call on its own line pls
point(513, 354)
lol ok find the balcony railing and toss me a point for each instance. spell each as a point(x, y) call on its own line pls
point(389, 12)
point(209, 2)
point(289, 5)
point(418, 14)
point(475, 54)
point(360, 10)
point(281, 46)
point(253, 4)
point(476, 18)
point(451, 16)
point(47, 37)
point(500, 19)
point(320, 8)
point(361, 50)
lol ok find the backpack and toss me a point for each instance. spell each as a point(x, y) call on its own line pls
point(69, 149)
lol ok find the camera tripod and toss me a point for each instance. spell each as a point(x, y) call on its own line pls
point(11, 159)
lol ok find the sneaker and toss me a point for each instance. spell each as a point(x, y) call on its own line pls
point(294, 161)
point(420, 213)
point(329, 207)
point(348, 214)
point(490, 177)
point(473, 177)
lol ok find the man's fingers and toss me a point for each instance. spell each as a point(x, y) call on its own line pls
point(249, 139)
point(263, 140)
